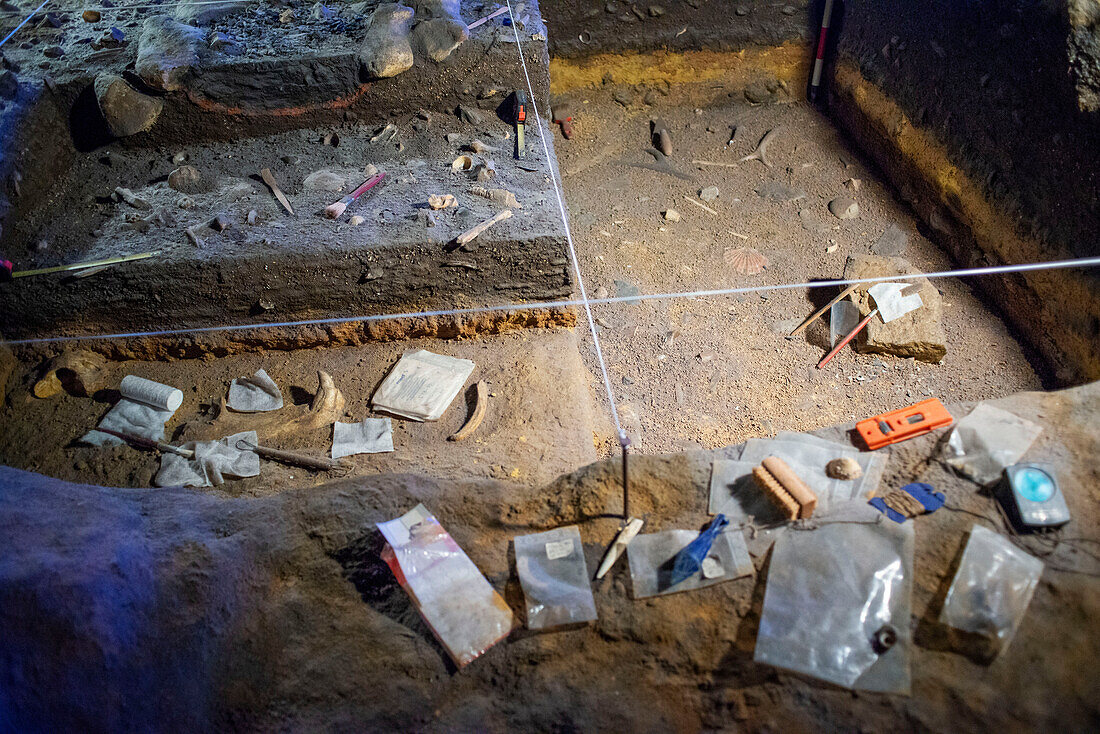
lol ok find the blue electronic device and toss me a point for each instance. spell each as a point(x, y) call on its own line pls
point(1031, 498)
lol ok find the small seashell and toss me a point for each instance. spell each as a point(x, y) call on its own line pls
point(745, 260)
point(462, 163)
point(844, 468)
point(356, 220)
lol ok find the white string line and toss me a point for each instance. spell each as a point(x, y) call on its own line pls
point(161, 6)
point(568, 234)
point(336, 320)
point(25, 21)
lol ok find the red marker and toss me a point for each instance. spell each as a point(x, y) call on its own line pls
point(815, 81)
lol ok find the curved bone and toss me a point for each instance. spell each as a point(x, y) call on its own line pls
point(326, 407)
point(761, 152)
point(478, 415)
point(80, 372)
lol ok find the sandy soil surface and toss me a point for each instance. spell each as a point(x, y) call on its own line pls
point(538, 422)
point(706, 372)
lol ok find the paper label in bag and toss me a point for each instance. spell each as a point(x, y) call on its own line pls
point(559, 549)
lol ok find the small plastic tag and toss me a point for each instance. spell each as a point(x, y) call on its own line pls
point(559, 549)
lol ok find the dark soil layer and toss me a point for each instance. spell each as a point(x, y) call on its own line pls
point(195, 611)
point(582, 27)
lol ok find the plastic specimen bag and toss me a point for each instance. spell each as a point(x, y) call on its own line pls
point(831, 592)
point(464, 612)
point(983, 443)
point(992, 588)
point(653, 556)
point(554, 578)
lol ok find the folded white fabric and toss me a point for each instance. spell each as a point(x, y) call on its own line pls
point(212, 464)
point(143, 409)
point(255, 394)
point(371, 436)
point(421, 385)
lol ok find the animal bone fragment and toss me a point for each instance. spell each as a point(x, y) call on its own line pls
point(79, 373)
point(480, 400)
point(761, 152)
point(504, 197)
point(325, 409)
point(131, 199)
point(468, 236)
point(437, 201)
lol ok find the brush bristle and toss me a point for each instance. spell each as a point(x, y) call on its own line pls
point(332, 211)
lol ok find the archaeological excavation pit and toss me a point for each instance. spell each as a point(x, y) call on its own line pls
point(684, 197)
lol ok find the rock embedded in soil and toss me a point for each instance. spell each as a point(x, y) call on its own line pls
point(710, 193)
point(205, 12)
point(126, 110)
point(672, 215)
point(185, 179)
point(323, 180)
point(918, 334)
point(386, 50)
point(436, 38)
point(779, 193)
point(166, 52)
point(892, 243)
point(843, 207)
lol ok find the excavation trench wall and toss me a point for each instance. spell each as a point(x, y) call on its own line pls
point(984, 116)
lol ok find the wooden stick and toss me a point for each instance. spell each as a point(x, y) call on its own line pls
point(467, 236)
point(845, 340)
point(148, 443)
point(290, 457)
point(476, 417)
point(809, 319)
point(269, 179)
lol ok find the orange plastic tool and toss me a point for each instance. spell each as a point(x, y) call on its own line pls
point(900, 425)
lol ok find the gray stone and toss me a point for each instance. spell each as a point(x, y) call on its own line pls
point(9, 84)
point(758, 92)
point(710, 193)
point(166, 52)
point(468, 115)
point(918, 334)
point(204, 12)
point(892, 243)
point(437, 38)
point(386, 49)
point(624, 97)
point(126, 110)
point(323, 181)
point(627, 290)
point(843, 207)
point(777, 192)
point(811, 223)
point(439, 28)
point(185, 179)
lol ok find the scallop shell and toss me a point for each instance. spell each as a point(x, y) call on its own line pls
point(745, 260)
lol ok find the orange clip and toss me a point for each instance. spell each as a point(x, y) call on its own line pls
point(900, 425)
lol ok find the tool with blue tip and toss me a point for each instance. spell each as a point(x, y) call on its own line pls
point(689, 560)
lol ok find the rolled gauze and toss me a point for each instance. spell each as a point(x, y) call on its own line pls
point(153, 394)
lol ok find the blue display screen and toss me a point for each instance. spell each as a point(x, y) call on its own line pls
point(1034, 485)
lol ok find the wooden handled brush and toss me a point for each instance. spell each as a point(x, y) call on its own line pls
point(333, 211)
point(784, 488)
